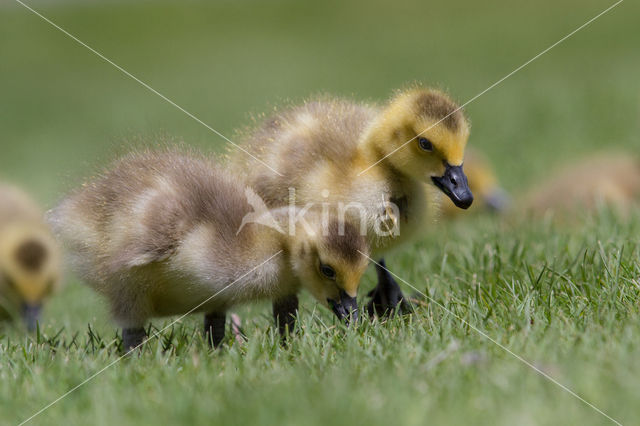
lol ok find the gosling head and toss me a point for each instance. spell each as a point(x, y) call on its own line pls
point(330, 260)
point(29, 268)
point(424, 135)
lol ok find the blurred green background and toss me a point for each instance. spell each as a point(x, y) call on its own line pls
point(64, 112)
point(63, 109)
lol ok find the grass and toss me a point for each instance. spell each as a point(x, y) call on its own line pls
point(566, 301)
point(563, 296)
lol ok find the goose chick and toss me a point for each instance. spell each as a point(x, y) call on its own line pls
point(380, 164)
point(162, 233)
point(483, 183)
point(29, 257)
point(603, 179)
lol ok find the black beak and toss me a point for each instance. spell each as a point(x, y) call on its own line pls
point(454, 184)
point(347, 309)
point(31, 315)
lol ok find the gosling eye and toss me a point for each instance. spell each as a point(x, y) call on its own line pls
point(328, 272)
point(425, 144)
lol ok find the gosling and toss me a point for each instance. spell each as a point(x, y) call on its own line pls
point(29, 258)
point(611, 180)
point(170, 233)
point(390, 164)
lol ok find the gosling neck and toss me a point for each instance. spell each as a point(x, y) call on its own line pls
point(371, 153)
point(274, 227)
point(284, 228)
point(371, 159)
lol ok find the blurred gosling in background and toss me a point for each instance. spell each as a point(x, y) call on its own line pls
point(166, 233)
point(29, 257)
point(605, 180)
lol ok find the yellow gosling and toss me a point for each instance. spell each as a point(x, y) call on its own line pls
point(389, 165)
point(161, 233)
point(601, 180)
point(29, 257)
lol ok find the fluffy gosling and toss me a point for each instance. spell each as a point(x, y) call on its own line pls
point(161, 233)
point(29, 257)
point(603, 179)
point(382, 161)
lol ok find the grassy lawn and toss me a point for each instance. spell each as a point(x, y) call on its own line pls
point(563, 296)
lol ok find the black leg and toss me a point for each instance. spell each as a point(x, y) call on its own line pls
point(132, 338)
point(387, 298)
point(214, 328)
point(285, 311)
